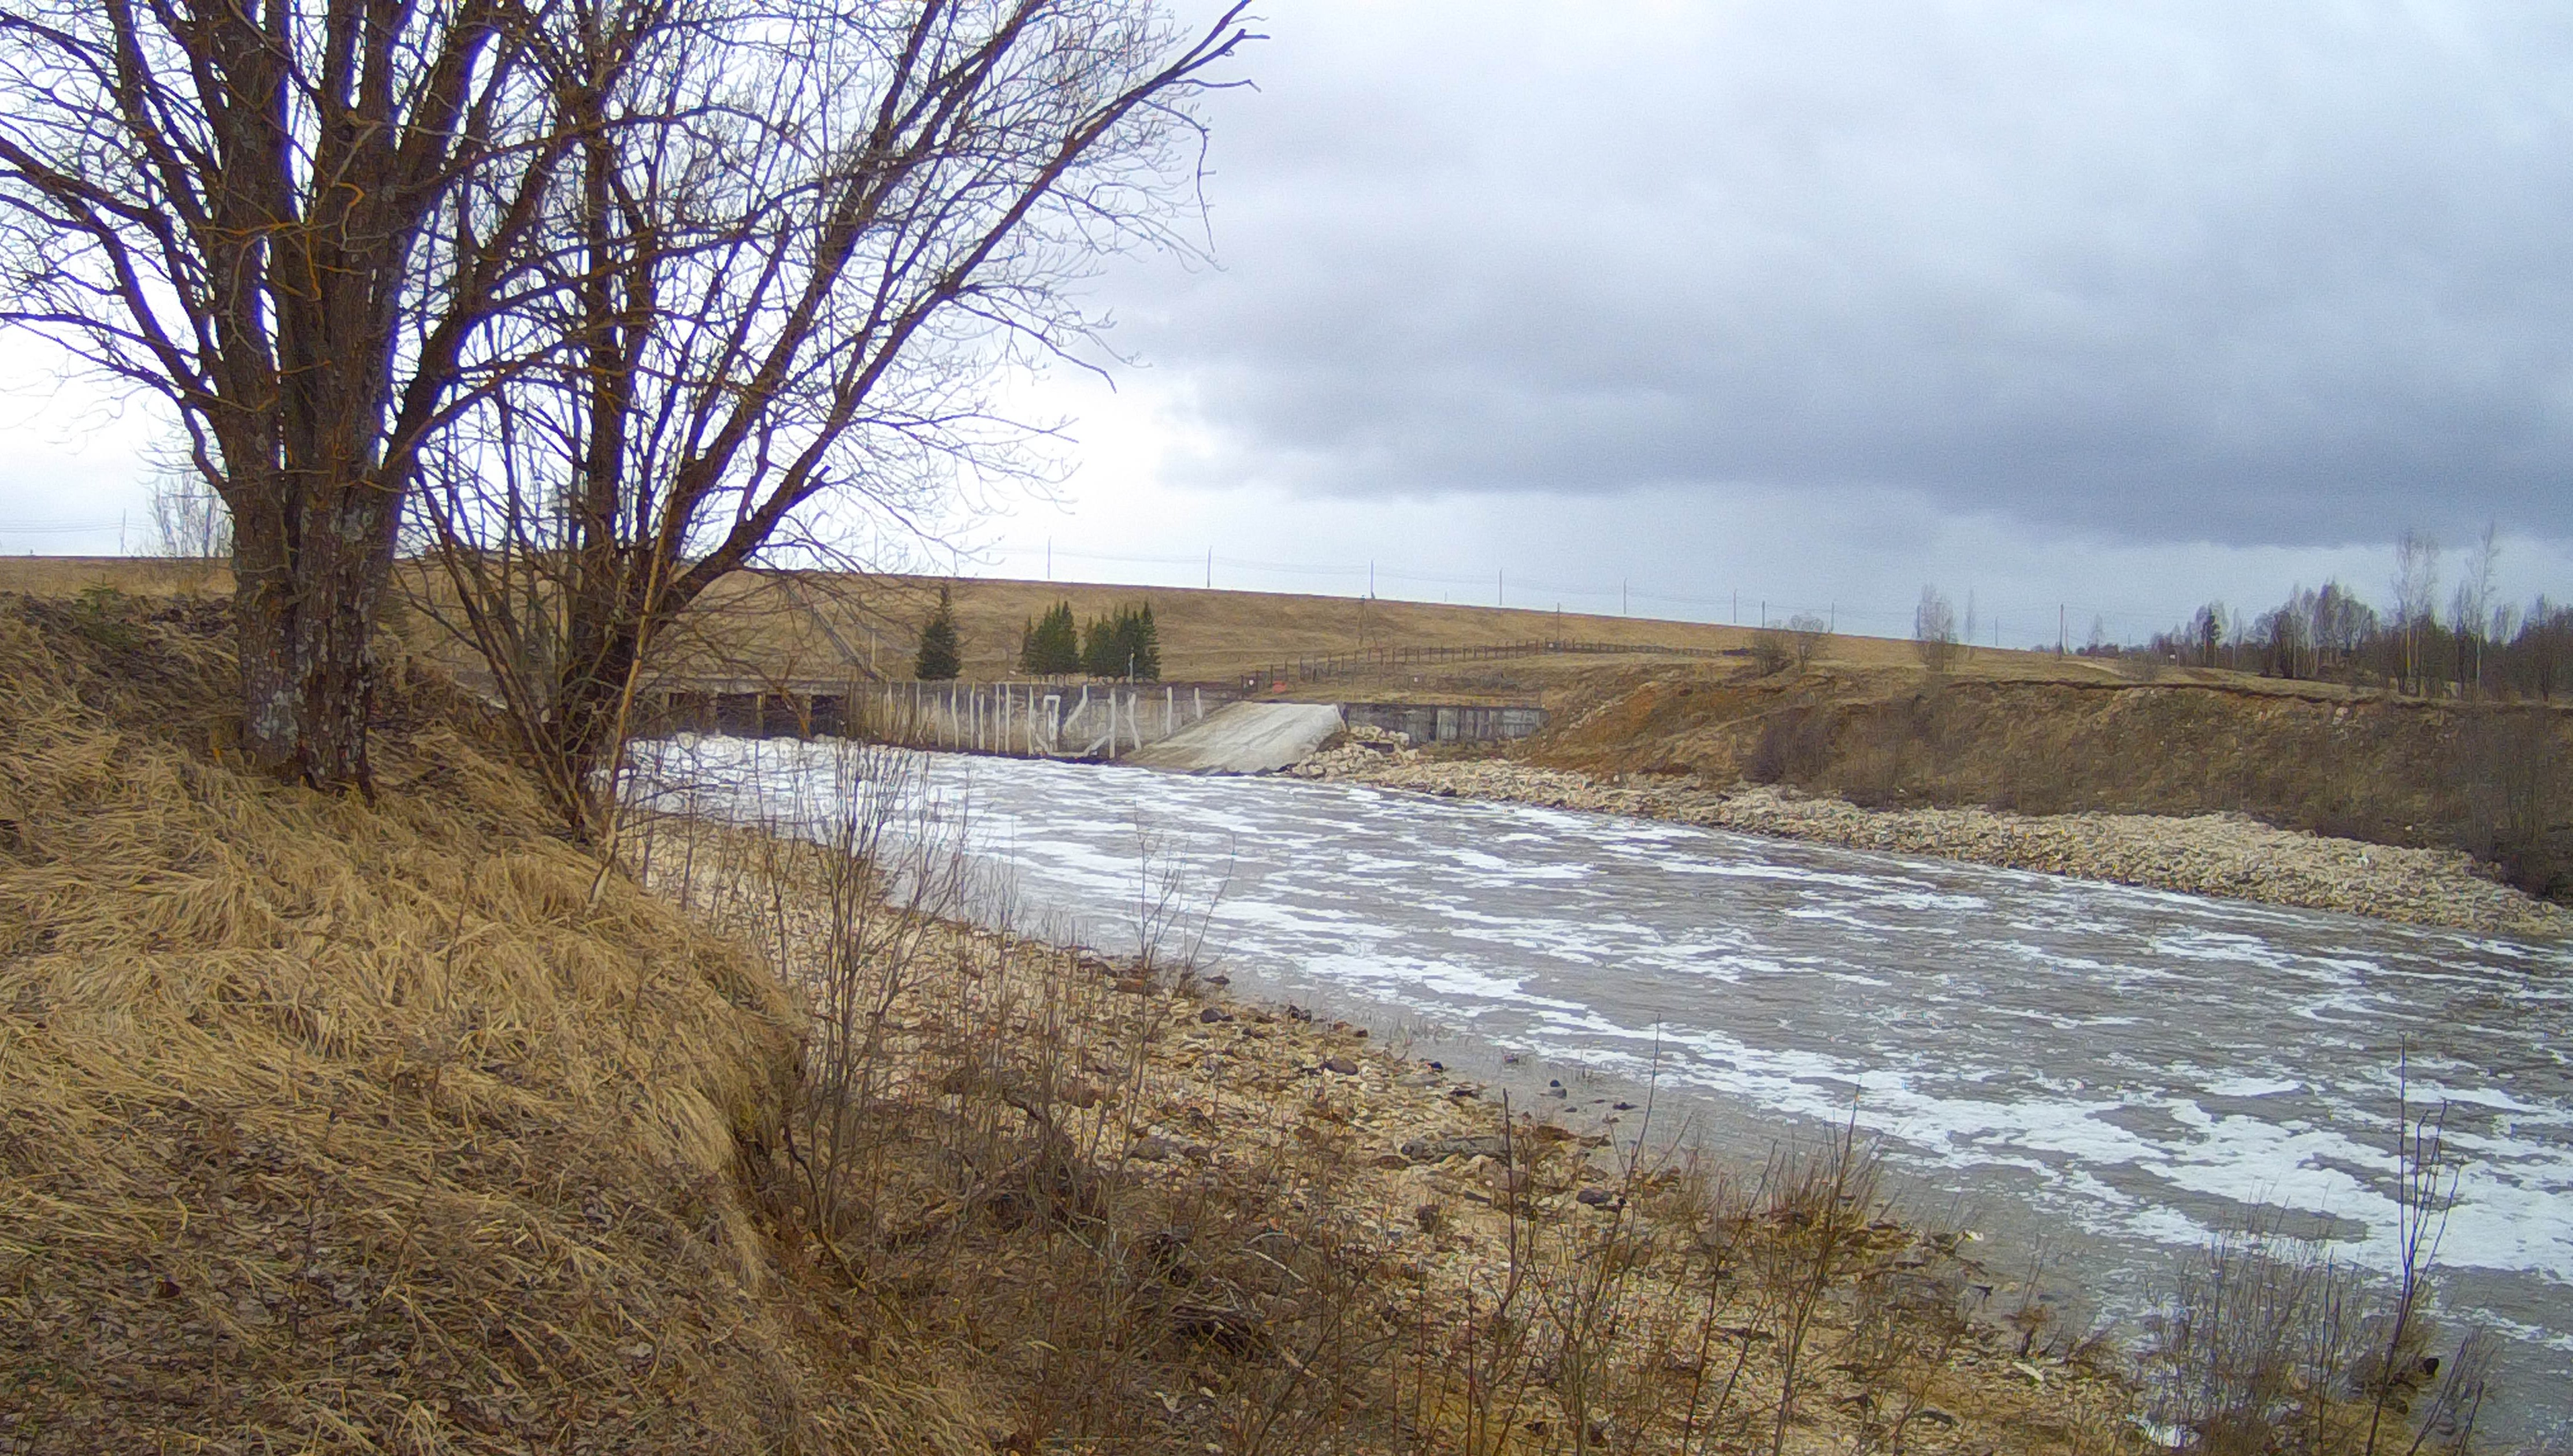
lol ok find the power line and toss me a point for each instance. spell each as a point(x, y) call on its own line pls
point(1622, 596)
point(55, 528)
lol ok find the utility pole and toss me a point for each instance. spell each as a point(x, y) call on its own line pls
point(1734, 618)
point(1501, 586)
point(1049, 558)
point(1370, 580)
point(2058, 629)
point(1621, 598)
point(1209, 569)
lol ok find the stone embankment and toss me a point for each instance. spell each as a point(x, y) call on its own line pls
point(2226, 855)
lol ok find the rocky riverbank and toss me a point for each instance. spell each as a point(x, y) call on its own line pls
point(1109, 1185)
point(2226, 855)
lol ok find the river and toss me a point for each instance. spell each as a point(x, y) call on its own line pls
point(2106, 1073)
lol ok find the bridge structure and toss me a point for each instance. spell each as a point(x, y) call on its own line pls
point(1077, 720)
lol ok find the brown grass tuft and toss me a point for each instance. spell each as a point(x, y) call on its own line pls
point(333, 1127)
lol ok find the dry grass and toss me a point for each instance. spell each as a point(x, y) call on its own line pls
point(329, 1127)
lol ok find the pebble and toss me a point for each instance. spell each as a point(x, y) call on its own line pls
point(1431, 1150)
point(2227, 855)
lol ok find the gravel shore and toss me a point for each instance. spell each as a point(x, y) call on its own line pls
point(2225, 855)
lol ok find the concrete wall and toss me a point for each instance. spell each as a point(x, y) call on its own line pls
point(1445, 722)
point(1044, 720)
point(1041, 719)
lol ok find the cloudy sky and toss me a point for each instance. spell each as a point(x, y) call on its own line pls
point(2107, 307)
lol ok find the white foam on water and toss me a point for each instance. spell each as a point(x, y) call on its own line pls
point(2251, 1087)
point(2141, 1063)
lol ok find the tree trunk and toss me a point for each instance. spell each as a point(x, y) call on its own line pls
point(584, 727)
point(304, 601)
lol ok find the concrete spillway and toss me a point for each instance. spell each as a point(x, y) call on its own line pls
point(1243, 738)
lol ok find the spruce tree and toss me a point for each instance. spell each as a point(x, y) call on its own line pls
point(1060, 649)
point(1051, 646)
point(942, 655)
point(1143, 643)
point(1101, 655)
point(1122, 644)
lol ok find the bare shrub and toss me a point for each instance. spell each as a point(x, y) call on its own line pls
point(1776, 646)
point(1794, 746)
point(1772, 650)
point(2269, 1344)
point(2245, 1359)
point(1873, 770)
point(1818, 1205)
point(890, 867)
point(2515, 796)
point(1805, 634)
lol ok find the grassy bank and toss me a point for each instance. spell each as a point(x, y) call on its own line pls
point(404, 1126)
point(336, 1125)
point(2489, 779)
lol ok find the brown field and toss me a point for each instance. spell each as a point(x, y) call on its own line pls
point(828, 625)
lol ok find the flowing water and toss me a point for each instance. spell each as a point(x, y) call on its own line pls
point(2105, 1072)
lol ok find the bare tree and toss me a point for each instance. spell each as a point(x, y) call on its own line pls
point(2285, 634)
point(1933, 630)
point(2470, 612)
point(2416, 595)
point(189, 523)
point(785, 302)
point(2207, 632)
point(292, 222)
point(1805, 633)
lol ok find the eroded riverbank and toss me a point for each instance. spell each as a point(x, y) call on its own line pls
point(2226, 855)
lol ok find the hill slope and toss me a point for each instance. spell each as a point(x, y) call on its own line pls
point(2489, 779)
point(326, 1125)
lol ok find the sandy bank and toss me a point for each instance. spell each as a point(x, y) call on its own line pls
point(2226, 855)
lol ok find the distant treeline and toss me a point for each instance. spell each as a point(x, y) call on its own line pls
point(2477, 647)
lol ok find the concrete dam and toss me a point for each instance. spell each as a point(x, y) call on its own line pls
point(1186, 727)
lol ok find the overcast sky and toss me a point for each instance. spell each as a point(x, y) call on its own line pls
point(2112, 307)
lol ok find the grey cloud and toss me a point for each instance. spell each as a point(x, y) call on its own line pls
point(2287, 276)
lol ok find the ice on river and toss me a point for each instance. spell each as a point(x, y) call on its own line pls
point(2143, 1066)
